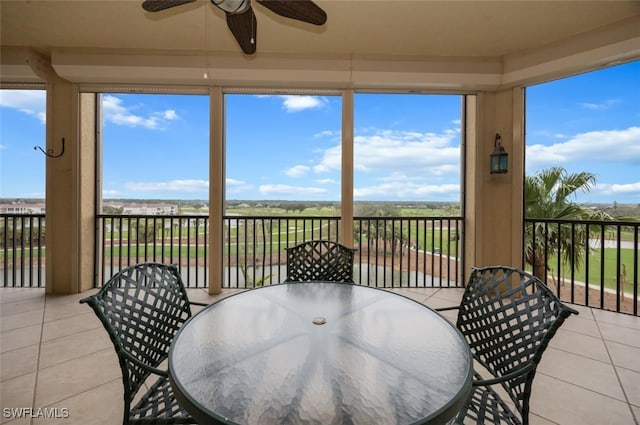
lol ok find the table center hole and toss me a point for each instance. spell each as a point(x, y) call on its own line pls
point(319, 320)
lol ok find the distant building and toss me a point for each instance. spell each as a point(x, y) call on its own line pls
point(150, 209)
point(127, 208)
point(22, 208)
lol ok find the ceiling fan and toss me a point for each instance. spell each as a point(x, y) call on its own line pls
point(242, 21)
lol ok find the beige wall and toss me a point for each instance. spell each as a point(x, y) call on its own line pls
point(61, 229)
point(85, 195)
point(216, 189)
point(70, 187)
point(493, 215)
point(346, 196)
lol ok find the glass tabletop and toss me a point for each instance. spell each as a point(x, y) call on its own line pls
point(320, 353)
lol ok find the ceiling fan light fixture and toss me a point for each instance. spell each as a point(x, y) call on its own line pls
point(232, 6)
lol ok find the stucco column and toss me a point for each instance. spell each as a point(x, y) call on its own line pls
point(494, 202)
point(346, 199)
point(70, 190)
point(216, 189)
point(84, 180)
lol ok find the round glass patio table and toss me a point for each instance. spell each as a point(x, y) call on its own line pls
point(320, 353)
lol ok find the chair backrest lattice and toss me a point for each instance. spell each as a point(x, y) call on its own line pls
point(141, 307)
point(320, 260)
point(508, 317)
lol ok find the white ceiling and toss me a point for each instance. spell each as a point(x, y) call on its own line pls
point(443, 36)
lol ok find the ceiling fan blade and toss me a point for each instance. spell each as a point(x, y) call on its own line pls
point(301, 10)
point(244, 27)
point(158, 5)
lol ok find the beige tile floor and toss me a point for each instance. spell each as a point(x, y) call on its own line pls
point(54, 353)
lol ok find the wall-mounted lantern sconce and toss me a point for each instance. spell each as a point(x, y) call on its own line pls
point(499, 157)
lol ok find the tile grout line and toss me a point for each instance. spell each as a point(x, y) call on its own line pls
point(581, 387)
point(37, 372)
point(540, 415)
point(544, 418)
point(620, 325)
point(601, 338)
point(615, 370)
point(74, 359)
point(117, 379)
point(35, 384)
point(573, 353)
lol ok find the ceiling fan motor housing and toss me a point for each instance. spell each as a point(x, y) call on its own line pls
point(232, 6)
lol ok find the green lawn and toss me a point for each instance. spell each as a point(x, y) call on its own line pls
point(595, 267)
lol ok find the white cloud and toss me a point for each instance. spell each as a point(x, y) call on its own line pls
point(288, 190)
point(188, 186)
point(328, 133)
point(406, 164)
point(328, 164)
point(111, 193)
point(297, 171)
point(391, 150)
point(325, 181)
point(628, 190)
point(408, 190)
point(30, 102)
point(170, 114)
point(295, 103)
point(234, 187)
point(600, 106)
point(615, 146)
point(117, 113)
point(388, 151)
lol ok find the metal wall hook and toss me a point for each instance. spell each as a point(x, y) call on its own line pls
point(49, 152)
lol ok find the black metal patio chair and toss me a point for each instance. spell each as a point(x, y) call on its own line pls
point(320, 260)
point(508, 317)
point(142, 307)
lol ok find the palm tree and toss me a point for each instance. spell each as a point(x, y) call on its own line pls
point(548, 195)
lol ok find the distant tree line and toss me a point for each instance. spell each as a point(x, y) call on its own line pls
point(17, 235)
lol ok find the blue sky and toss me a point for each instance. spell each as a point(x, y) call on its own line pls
point(407, 147)
point(589, 122)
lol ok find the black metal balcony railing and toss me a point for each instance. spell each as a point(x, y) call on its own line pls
point(391, 251)
point(588, 262)
point(122, 241)
point(22, 250)
point(598, 270)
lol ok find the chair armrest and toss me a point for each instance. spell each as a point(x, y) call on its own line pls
point(511, 375)
point(145, 366)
